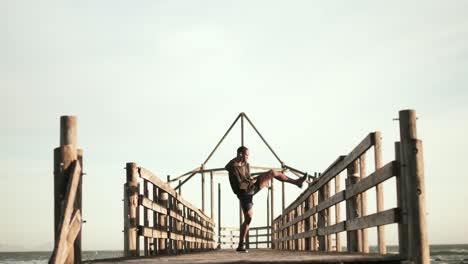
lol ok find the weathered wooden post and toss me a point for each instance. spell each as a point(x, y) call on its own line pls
point(155, 220)
point(131, 212)
point(269, 224)
point(328, 216)
point(272, 200)
point(413, 178)
point(363, 195)
point(379, 192)
point(401, 203)
point(146, 240)
point(63, 157)
point(212, 196)
point(163, 222)
point(283, 202)
point(337, 213)
point(203, 186)
point(321, 221)
point(219, 215)
point(352, 208)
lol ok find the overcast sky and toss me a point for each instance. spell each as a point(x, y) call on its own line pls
point(159, 82)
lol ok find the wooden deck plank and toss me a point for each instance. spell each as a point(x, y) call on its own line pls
point(260, 256)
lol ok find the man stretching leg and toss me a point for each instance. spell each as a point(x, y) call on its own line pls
point(245, 187)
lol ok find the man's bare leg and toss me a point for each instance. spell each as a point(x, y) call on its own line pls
point(267, 176)
point(245, 226)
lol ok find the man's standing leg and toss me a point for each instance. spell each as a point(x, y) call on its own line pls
point(245, 229)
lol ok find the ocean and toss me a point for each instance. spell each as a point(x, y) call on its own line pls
point(439, 254)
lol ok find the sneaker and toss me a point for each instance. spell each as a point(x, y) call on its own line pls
point(242, 249)
point(301, 180)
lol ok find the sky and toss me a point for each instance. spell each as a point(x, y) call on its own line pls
point(159, 82)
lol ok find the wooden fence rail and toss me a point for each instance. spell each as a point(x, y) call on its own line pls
point(306, 224)
point(256, 237)
point(169, 225)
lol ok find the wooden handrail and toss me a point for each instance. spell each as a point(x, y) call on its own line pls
point(306, 223)
point(178, 226)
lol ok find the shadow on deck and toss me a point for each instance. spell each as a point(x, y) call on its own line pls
point(260, 256)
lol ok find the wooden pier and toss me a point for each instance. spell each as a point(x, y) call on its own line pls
point(161, 226)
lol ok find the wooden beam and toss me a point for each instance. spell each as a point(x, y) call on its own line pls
point(185, 174)
point(66, 247)
point(332, 229)
point(379, 176)
point(264, 141)
point(378, 219)
point(224, 136)
point(60, 253)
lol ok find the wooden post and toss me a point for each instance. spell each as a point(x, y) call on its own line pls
point(269, 238)
point(352, 208)
point(401, 204)
point(363, 195)
point(283, 202)
point(413, 167)
point(321, 221)
point(163, 224)
point(379, 192)
point(79, 205)
point(307, 223)
point(272, 201)
point(203, 187)
point(63, 157)
point(219, 215)
point(337, 214)
point(315, 196)
point(131, 242)
point(145, 218)
point(211, 196)
point(328, 213)
point(155, 221)
point(295, 227)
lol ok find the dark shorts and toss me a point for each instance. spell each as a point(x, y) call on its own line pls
point(245, 197)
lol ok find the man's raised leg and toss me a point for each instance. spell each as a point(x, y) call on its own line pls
point(265, 178)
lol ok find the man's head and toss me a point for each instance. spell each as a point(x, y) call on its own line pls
point(243, 153)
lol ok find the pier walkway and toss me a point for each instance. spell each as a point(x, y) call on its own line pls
point(260, 256)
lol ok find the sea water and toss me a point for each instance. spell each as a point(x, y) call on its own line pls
point(439, 254)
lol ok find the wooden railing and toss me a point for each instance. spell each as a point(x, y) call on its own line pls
point(228, 236)
point(306, 224)
point(170, 224)
point(259, 236)
point(256, 236)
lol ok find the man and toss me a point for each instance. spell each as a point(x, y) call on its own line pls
point(245, 187)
